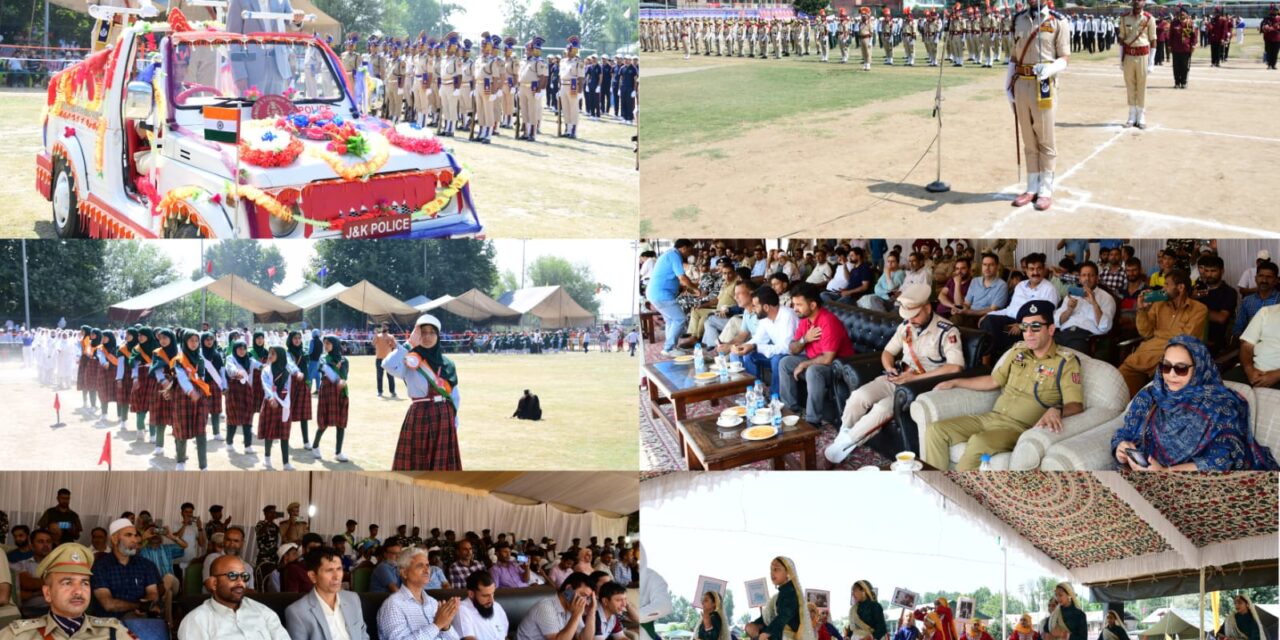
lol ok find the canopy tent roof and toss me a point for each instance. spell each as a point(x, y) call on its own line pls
point(362, 296)
point(552, 305)
point(610, 494)
point(312, 295)
point(474, 305)
point(324, 24)
point(265, 306)
point(417, 301)
point(1105, 526)
point(1177, 622)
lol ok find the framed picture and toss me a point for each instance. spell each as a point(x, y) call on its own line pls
point(964, 609)
point(757, 592)
point(820, 599)
point(706, 584)
point(904, 598)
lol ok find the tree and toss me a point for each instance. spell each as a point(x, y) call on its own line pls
point(810, 7)
point(258, 262)
point(361, 16)
point(555, 26)
point(508, 282)
point(576, 280)
point(64, 282)
point(411, 17)
point(132, 268)
point(517, 22)
point(728, 604)
point(679, 608)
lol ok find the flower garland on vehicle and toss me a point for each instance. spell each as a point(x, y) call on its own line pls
point(411, 136)
point(177, 203)
point(265, 143)
point(431, 209)
point(346, 140)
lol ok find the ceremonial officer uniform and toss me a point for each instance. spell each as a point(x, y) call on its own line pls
point(467, 106)
point(844, 36)
point(533, 80)
point(1041, 45)
point(955, 38)
point(60, 624)
point(451, 93)
point(866, 31)
point(571, 75)
point(378, 68)
point(886, 36)
point(909, 34)
point(350, 62)
point(1137, 33)
point(489, 75)
point(931, 29)
point(922, 350)
point(510, 70)
point(1029, 387)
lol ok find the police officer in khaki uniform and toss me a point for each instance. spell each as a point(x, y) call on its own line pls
point(572, 72)
point(350, 59)
point(1040, 386)
point(909, 34)
point(533, 82)
point(1137, 59)
point(510, 70)
point(378, 69)
point(489, 91)
point(931, 30)
point(1041, 46)
point(844, 37)
point(924, 346)
point(66, 573)
point(467, 106)
point(866, 31)
point(886, 36)
point(955, 37)
point(451, 93)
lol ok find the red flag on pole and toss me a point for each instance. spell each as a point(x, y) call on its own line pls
point(271, 272)
point(57, 404)
point(208, 267)
point(106, 452)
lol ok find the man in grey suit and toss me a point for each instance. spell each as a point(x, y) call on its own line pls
point(327, 612)
point(265, 66)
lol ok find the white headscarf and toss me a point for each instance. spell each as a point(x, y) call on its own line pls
point(718, 602)
point(860, 628)
point(805, 632)
point(1055, 619)
point(1233, 631)
point(655, 599)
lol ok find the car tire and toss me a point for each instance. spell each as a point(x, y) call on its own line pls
point(66, 212)
point(182, 231)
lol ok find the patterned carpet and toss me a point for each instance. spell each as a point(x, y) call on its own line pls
point(661, 451)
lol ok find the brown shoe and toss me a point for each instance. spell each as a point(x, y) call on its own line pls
point(1024, 199)
point(1043, 203)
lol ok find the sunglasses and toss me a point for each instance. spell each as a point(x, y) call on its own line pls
point(235, 577)
point(1034, 327)
point(1180, 368)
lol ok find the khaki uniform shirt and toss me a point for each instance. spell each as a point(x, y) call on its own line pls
point(44, 627)
point(1031, 385)
point(934, 346)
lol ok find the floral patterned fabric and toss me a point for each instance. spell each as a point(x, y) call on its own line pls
point(1194, 503)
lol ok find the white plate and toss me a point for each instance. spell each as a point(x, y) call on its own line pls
point(760, 420)
point(729, 422)
point(909, 465)
point(747, 435)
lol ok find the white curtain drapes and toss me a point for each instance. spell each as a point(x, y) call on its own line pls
point(100, 498)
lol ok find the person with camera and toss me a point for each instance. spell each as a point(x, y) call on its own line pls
point(127, 587)
point(1160, 317)
point(568, 615)
point(164, 548)
point(1088, 311)
point(507, 572)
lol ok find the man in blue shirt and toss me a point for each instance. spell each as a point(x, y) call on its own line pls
point(1265, 296)
point(664, 285)
point(125, 585)
point(986, 294)
point(386, 576)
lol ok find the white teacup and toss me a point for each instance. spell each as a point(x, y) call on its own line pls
point(906, 456)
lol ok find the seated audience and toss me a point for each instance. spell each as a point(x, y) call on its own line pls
point(1159, 321)
point(386, 575)
point(66, 578)
point(954, 290)
point(771, 341)
point(128, 587)
point(807, 376)
point(227, 614)
point(410, 612)
point(1259, 351)
point(1264, 295)
point(1087, 314)
point(1001, 325)
point(328, 612)
point(984, 295)
point(1219, 298)
point(568, 615)
point(480, 616)
point(887, 287)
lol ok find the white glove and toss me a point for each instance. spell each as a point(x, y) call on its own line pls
point(633, 94)
point(493, 97)
point(1121, 57)
point(457, 92)
point(473, 94)
point(1008, 83)
point(541, 95)
point(430, 91)
point(1151, 60)
point(498, 93)
point(1046, 71)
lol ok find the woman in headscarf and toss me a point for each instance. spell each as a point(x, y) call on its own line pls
point(190, 413)
point(213, 375)
point(124, 375)
point(82, 370)
point(93, 370)
point(240, 371)
point(866, 616)
point(976, 630)
point(1025, 629)
point(939, 624)
point(1067, 622)
point(1113, 629)
point(108, 363)
point(429, 434)
point(315, 351)
point(1187, 420)
point(144, 386)
point(300, 401)
point(783, 616)
point(162, 412)
point(273, 417)
point(258, 349)
point(714, 625)
point(1243, 623)
point(334, 403)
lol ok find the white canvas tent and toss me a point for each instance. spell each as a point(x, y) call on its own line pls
point(1177, 623)
point(264, 305)
point(363, 296)
point(552, 306)
point(474, 305)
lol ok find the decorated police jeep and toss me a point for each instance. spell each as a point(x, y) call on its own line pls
point(183, 131)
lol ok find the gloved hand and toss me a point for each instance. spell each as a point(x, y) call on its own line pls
point(492, 97)
point(457, 92)
point(541, 95)
point(473, 93)
point(1008, 83)
point(430, 91)
point(1046, 71)
point(633, 94)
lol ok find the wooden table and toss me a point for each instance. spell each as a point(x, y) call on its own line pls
point(925, 465)
point(709, 447)
point(647, 328)
point(673, 383)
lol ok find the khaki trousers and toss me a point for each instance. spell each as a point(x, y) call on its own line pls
point(1135, 80)
point(989, 433)
point(1036, 124)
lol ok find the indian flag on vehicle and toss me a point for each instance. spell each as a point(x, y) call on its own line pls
point(222, 124)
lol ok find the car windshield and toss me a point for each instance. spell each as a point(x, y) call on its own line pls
point(205, 73)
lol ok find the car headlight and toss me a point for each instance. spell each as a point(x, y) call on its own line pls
point(280, 228)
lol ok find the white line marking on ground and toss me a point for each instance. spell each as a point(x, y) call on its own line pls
point(1196, 77)
point(1197, 132)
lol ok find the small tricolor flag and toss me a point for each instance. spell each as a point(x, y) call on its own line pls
point(222, 124)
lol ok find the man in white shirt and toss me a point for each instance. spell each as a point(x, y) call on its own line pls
point(228, 615)
point(232, 545)
point(328, 612)
point(1248, 283)
point(1085, 315)
point(760, 265)
point(821, 268)
point(480, 616)
point(917, 272)
point(1002, 325)
point(568, 615)
point(771, 340)
point(610, 608)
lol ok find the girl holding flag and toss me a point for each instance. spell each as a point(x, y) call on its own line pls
point(124, 376)
point(334, 400)
point(240, 368)
point(213, 375)
point(429, 434)
point(190, 411)
point(273, 417)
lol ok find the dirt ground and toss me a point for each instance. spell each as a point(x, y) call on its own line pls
point(554, 188)
point(588, 401)
point(1200, 168)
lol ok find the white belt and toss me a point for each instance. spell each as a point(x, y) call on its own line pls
point(429, 399)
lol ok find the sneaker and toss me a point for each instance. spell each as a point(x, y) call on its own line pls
point(250, 451)
point(395, 397)
point(342, 457)
point(316, 451)
point(379, 394)
point(306, 445)
point(266, 462)
point(181, 466)
point(288, 467)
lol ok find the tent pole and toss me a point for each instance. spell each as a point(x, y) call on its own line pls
point(1202, 603)
point(1004, 593)
point(26, 290)
point(203, 292)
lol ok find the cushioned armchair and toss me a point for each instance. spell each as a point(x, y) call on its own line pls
point(1092, 449)
point(1104, 398)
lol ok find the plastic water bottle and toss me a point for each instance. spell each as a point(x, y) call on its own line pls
point(751, 401)
point(986, 462)
point(775, 411)
point(699, 365)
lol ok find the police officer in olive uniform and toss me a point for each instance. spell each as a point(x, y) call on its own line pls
point(66, 573)
point(925, 345)
point(1040, 386)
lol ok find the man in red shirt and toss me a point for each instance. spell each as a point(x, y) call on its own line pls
point(807, 374)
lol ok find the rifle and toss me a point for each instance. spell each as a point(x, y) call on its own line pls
point(519, 129)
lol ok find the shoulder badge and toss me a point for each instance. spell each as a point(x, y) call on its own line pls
point(944, 325)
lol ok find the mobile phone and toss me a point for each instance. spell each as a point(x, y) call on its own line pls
point(522, 558)
point(1076, 290)
point(1157, 295)
point(64, 525)
point(1138, 457)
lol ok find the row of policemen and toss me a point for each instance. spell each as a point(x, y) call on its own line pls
point(440, 84)
point(1092, 33)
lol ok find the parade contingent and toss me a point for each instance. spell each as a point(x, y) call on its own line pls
point(806, 323)
point(443, 83)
